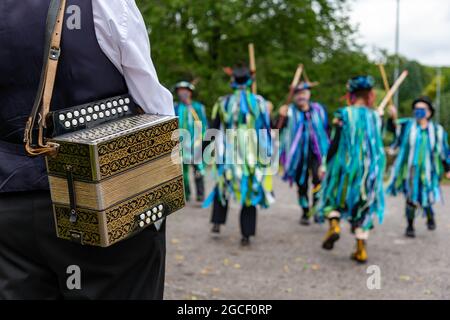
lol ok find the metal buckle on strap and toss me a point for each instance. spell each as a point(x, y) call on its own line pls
point(55, 53)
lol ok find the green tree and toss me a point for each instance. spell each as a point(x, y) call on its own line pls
point(193, 39)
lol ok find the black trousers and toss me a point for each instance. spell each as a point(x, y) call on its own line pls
point(248, 217)
point(199, 181)
point(313, 168)
point(34, 264)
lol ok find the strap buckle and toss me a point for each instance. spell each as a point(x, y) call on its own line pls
point(55, 53)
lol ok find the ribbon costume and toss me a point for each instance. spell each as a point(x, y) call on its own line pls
point(192, 119)
point(353, 186)
point(243, 153)
point(422, 159)
point(304, 146)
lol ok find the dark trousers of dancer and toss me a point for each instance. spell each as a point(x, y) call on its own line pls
point(411, 212)
point(247, 218)
point(199, 182)
point(303, 188)
point(35, 264)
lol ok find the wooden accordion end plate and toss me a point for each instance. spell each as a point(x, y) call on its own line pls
point(126, 176)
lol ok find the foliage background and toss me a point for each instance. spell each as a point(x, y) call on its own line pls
point(197, 38)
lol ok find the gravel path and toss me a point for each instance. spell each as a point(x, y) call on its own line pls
point(285, 260)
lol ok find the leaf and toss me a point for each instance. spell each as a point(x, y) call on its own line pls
point(174, 241)
point(179, 257)
point(315, 267)
point(405, 278)
point(215, 290)
point(226, 262)
point(206, 271)
point(237, 266)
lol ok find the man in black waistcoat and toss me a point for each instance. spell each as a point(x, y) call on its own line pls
point(105, 52)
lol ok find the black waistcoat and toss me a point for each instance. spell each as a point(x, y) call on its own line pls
point(84, 74)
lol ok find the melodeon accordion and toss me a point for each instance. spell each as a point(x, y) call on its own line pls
point(116, 172)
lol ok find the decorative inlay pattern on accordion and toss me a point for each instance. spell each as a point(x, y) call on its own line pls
point(126, 152)
point(87, 221)
point(124, 175)
point(76, 155)
point(121, 220)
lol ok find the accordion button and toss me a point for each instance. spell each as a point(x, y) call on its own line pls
point(103, 106)
point(160, 215)
point(96, 108)
point(142, 224)
point(142, 216)
point(88, 118)
point(115, 104)
point(81, 120)
point(160, 207)
point(95, 117)
point(155, 210)
point(127, 100)
point(148, 221)
point(76, 113)
point(154, 218)
point(62, 117)
point(121, 102)
point(114, 111)
point(149, 213)
point(108, 113)
point(67, 124)
point(109, 104)
point(125, 108)
point(90, 110)
point(74, 122)
point(101, 115)
point(83, 112)
point(69, 115)
point(119, 109)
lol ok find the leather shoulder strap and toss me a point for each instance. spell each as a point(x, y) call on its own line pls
point(41, 106)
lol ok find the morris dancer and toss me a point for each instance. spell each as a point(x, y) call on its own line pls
point(305, 143)
point(243, 178)
point(192, 117)
point(353, 186)
point(422, 160)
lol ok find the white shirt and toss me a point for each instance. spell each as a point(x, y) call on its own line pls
point(123, 37)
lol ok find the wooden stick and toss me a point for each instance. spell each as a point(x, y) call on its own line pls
point(305, 75)
point(297, 76)
point(392, 91)
point(251, 52)
point(295, 82)
point(385, 82)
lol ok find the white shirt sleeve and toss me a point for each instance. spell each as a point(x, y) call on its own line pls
point(122, 36)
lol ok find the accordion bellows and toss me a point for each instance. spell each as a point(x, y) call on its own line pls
point(126, 174)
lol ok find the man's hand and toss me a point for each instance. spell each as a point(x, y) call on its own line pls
point(283, 112)
point(447, 175)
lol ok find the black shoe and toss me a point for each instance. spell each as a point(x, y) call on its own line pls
point(245, 241)
point(410, 232)
point(216, 228)
point(304, 221)
point(431, 224)
point(318, 219)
